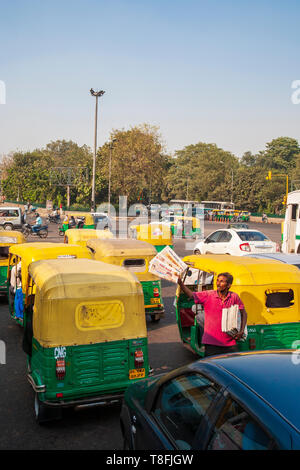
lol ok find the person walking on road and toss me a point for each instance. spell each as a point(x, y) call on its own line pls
point(213, 301)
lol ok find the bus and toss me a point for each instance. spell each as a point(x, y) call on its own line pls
point(291, 224)
point(186, 207)
point(209, 206)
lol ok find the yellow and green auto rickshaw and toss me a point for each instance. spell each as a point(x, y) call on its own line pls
point(85, 220)
point(78, 236)
point(187, 227)
point(85, 334)
point(134, 255)
point(269, 290)
point(157, 234)
point(6, 240)
point(19, 259)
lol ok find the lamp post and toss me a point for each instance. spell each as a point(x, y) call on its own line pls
point(111, 146)
point(96, 94)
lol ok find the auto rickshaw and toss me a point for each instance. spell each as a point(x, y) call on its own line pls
point(85, 334)
point(78, 236)
point(157, 234)
point(187, 227)
point(86, 222)
point(269, 290)
point(135, 256)
point(19, 259)
point(6, 240)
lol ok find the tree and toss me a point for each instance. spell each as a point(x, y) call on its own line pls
point(200, 172)
point(138, 165)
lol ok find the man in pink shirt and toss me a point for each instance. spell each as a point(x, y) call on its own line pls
point(213, 301)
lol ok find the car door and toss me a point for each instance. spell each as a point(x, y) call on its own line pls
point(223, 244)
point(179, 410)
point(238, 429)
point(210, 244)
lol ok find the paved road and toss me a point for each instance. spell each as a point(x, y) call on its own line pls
point(94, 428)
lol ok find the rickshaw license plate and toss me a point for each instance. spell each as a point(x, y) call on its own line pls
point(136, 373)
point(155, 301)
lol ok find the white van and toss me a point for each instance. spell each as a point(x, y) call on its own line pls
point(291, 224)
point(10, 218)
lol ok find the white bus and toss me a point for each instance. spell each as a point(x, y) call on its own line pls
point(291, 225)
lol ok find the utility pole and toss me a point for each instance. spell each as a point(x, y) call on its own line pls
point(96, 94)
point(111, 146)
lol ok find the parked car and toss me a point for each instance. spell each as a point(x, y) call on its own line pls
point(288, 258)
point(236, 242)
point(240, 401)
point(10, 218)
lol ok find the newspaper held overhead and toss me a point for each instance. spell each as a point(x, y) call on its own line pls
point(167, 265)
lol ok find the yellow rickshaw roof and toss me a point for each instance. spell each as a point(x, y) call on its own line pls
point(121, 247)
point(246, 271)
point(30, 252)
point(81, 274)
point(76, 234)
point(153, 232)
point(11, 237)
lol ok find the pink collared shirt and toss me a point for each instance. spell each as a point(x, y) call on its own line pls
point(213, 305)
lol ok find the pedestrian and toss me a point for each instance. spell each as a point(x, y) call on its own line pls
point(213, 301)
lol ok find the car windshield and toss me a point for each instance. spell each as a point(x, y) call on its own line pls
point(252, 236)
point(99, 218)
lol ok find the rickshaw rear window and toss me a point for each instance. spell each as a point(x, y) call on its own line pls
point(128, 263)
point(279, 299)
point(4, 250)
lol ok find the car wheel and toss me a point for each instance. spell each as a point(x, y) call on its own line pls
point(8, 227)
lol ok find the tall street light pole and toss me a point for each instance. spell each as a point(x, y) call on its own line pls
point(111, 146)
point(96, 94)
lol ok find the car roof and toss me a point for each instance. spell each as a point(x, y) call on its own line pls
point(281, 389)
point(289, 258)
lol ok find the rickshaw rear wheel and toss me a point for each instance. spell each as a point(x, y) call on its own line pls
point(44, 413)
point(155, 318)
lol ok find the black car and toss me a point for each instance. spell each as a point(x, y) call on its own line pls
point(231, 402)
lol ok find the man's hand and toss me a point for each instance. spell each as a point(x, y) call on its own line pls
point(238, 336)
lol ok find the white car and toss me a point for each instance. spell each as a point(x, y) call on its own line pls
point(236, 242)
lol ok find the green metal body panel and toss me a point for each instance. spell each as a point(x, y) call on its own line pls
point(3, 279)
point(148, 287)
point(161, 247)
point(91, 370)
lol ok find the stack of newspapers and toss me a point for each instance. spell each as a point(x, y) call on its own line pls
point(231, 321)
point(167, 265)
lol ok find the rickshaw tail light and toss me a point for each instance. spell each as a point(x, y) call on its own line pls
point(245, 247)
point(60, 369)
point(156, 292)
point(252, 343)
point(138, 359)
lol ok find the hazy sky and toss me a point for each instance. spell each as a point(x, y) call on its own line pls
point(215, 71)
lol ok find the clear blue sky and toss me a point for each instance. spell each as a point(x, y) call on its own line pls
point(212, 71)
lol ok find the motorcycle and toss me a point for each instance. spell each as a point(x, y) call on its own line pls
point(53, 218)
point(41, 231)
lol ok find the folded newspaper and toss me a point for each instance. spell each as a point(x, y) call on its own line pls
point(167, 265)
point(231, 321)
